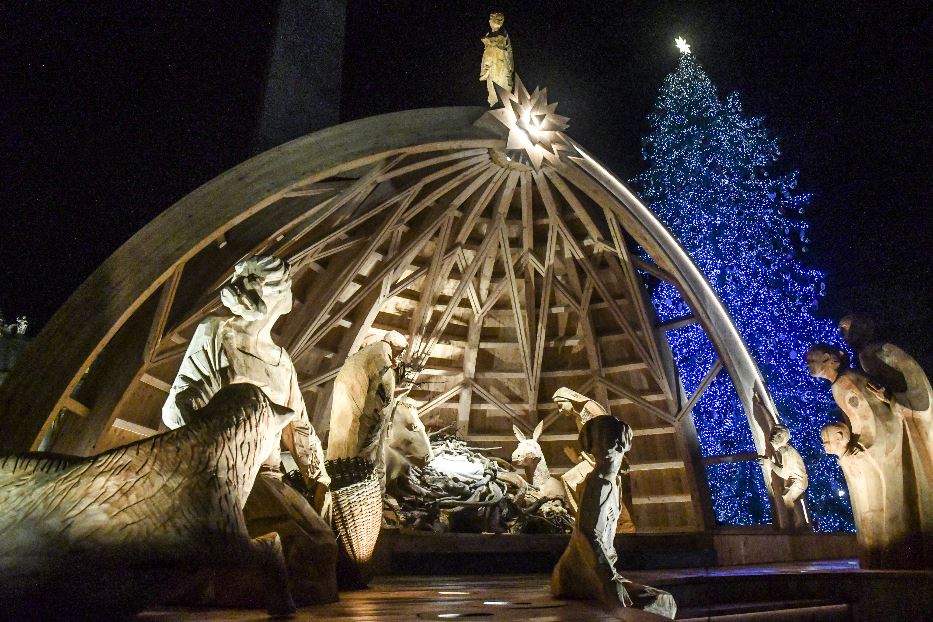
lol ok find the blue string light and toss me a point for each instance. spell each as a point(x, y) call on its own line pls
point(711, 177)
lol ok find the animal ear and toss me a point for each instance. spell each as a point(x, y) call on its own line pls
point(538, 430)
point(282, 415)
point(518, 433)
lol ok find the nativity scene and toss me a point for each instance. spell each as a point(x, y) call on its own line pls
point(426, 329)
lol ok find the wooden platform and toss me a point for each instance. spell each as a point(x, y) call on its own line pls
point(423, 553)
point(836, 590)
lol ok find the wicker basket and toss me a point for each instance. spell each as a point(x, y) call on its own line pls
point(357, 505)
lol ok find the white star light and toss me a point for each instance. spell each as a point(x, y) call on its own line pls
point(532, 123)
point(682, 45)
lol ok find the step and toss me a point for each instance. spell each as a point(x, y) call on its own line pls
point(771, 611)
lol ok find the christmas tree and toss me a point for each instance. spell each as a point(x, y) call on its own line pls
point(712, 178)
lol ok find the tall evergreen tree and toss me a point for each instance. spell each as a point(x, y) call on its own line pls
point(712, 177)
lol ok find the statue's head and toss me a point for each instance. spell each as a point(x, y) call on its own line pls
point(261, 287)
point(836, 437)
point(568, 401)
point(606, 439)
point(496, 20)
point(528, 453)
point(397, 342)
point(825, 361)
point(856, 330)
point(780, 436)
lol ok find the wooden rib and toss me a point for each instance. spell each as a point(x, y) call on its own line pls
point(70, 403)
point(439, 400)
point(134, 428)
point(472, 294)
point(634, 291)
point(162, 310)
point(465, 402)
point(423, 234)
point(528, 230)
point(470, 220)
point(574, 204)
point(155, 383)
point(318, 380)
point(680, 322)
point(608, 298)
point(349, 343)
point(521, 330)
point(632, 395)
point(362, 186)
point(545, 305)
point(505, 408)
point(593, 355)
point(655, 271)
point(397, 288)
point(465, 278)
point(474, 156)
point(422, 312)
point(701, 389)
point(568, 295)
point(316, 250)
point(331, 293)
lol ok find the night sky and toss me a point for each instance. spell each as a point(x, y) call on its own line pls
point(112, 113)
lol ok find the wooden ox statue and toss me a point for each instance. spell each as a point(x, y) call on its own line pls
point(107, 535)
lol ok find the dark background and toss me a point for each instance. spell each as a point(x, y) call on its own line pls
point(112, 112)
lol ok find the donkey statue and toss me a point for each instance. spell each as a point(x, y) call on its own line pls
point(529, 455)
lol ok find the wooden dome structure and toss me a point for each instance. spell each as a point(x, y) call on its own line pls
point(512, 268)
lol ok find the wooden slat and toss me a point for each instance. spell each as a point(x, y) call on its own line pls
point(486, 247)
point(544, 307)
point(680, 322)
point(637, 399)
point(134, 428)
point(160, 317)
point(422, 313)
point(332, 292)
point(505, 408)
point(701, 389)
point(438, 400)
point(70, 403)
point(465, 402)
point(470, 157)
point(155, 383)
point(422, 235)
point(584, 262)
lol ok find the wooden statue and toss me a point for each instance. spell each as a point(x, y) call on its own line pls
point(498, 66)
point(363, 401)
point(582, 409)
point(897, 379)
point(529, 456)
point(408, 440)
point(871, 448)
point(788, 475)
point(109, 534)
point(240, 349)
point(587, 569)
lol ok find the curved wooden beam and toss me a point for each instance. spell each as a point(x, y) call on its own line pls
point(54, 362)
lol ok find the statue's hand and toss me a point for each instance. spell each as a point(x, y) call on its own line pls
point(854, 449)
point(878, 391)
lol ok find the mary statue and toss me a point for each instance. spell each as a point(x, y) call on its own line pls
point(498, 65)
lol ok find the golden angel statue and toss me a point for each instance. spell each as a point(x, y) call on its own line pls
point(498, 66)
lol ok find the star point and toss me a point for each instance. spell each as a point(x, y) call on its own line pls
point(532, 122)
point(682, 45)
